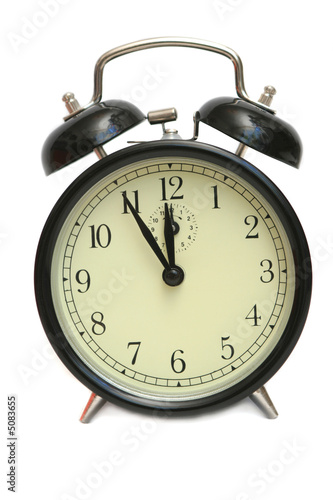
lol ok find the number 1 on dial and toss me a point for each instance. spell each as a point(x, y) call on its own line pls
point(216, 204)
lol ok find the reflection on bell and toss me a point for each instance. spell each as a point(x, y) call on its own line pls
point(91, 128)
point(254, 127)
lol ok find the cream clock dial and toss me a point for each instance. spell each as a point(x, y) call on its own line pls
point(171, 274)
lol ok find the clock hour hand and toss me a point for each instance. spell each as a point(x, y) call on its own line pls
point(148, 235)
point(169, 235)
point(175, 275)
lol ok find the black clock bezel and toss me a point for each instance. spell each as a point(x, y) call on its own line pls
point(218, 157)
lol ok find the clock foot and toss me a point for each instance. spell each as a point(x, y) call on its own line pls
point(264, 402)
point(94, 404)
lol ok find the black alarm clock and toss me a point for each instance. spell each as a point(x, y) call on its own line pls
point(167, 274)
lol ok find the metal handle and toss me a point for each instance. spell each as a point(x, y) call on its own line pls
point(168, 42)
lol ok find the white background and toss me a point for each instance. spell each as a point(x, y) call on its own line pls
point(51, 47)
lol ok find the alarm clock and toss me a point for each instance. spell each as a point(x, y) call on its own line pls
point(168, 274)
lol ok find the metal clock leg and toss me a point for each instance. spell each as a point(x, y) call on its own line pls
point(94, 404)
point(264, 402)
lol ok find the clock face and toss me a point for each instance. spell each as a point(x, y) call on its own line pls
point(122, 327)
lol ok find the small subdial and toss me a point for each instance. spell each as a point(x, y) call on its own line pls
point(184, 225)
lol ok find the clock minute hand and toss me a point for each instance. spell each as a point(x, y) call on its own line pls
point(169, 236)
point(148, 235)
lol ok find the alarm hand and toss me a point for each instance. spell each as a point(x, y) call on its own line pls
point(175, 225)
point(148, 235)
